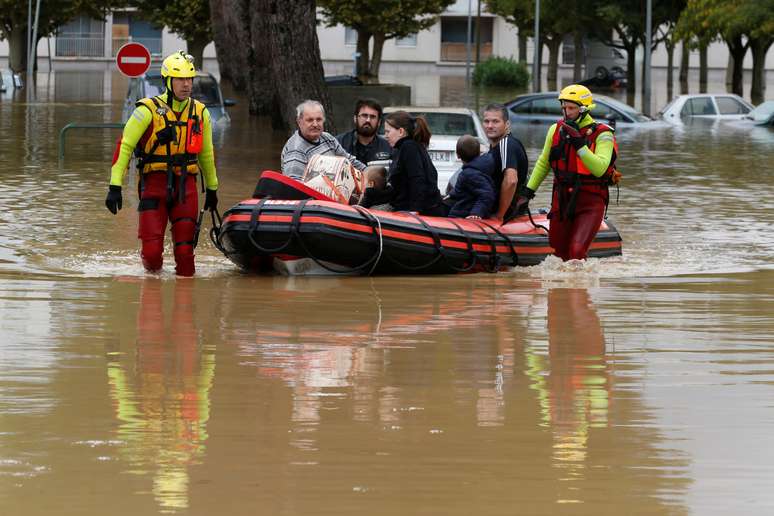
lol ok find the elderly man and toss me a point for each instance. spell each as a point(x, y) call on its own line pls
point(309, 140)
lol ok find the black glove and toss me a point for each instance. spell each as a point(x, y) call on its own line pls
point(526, 194)
point(573, 136)
point(113, 201)
point(211, 200)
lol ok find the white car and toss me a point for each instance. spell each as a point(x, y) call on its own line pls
point(446, 126)
point(718, 106)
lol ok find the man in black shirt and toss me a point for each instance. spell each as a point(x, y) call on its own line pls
point(511, 163)
point(363, 142)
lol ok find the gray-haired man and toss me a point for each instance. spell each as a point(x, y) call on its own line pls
point(309, 140)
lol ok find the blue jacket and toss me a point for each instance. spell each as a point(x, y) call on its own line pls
point(474, 191)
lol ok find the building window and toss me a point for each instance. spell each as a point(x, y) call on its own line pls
point(350, 36)
point(81, 37)
point(128, 27)
point(408, 41)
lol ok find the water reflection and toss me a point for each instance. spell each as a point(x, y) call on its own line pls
point(461, 368)
point(161, 392)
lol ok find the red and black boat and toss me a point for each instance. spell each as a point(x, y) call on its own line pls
point(287, 223)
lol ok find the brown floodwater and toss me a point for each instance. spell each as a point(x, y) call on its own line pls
point(633, 385)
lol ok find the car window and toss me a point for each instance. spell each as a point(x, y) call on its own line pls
point(605, 112)
point(452, 124)
point(205, 90)
point(698, 106)
point(523, 108)
point(546, 106)
point(731, 106)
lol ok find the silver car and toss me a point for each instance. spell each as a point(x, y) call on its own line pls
point(717, 106)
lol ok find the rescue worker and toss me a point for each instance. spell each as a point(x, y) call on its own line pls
point(582, 154)
point(171, 135)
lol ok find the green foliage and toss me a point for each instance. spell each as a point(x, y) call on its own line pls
point(189, 19)
point(499, 71)
point(53, 14)
point(393, 18)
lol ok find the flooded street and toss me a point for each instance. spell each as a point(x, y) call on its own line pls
point(633, 385)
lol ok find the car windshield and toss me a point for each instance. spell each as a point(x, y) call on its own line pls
point(449, 124)
point(763, 112)
point(205, 89)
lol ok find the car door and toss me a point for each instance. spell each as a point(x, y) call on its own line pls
point(730, 107)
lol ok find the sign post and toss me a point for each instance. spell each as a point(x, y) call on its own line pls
point(133, 59)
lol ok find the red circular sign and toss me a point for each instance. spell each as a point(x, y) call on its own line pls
point(133, 59)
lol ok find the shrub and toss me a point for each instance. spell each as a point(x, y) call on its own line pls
point(499, 71)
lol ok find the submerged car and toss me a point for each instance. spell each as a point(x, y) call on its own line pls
point(206, 90)
point(718, 106)
point(446, 126)
point(544, 108)
point(763, 114)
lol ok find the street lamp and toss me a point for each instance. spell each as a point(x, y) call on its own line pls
point(536, 59)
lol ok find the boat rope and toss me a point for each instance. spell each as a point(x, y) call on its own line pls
point(471, 250)
point(215, 231)
point(536, 225)
point(439, 250)
point(507, 241)
point(371, 262)
point(254, 222)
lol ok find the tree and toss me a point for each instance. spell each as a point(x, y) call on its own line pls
point(271, 49)
point(557, 19)
point(381, 20)
point(189, 19)
point(622, 25)
point(53, 14)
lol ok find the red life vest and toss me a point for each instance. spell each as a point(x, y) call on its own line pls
point(564, 160)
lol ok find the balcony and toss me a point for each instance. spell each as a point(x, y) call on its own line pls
point(80, 46)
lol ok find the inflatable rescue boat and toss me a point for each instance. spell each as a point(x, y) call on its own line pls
point(294, 229)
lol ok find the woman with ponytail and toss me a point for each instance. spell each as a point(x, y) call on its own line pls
point(412, 174)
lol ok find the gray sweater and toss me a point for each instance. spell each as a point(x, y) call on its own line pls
point(298, 150)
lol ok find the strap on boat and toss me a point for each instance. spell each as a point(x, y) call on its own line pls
point(438, 248)
point(215, 232)
point(372, 262)
point(254, 223)
point(507, 241)
point(471, 250)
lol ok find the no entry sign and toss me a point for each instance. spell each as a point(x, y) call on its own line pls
point(133, 59)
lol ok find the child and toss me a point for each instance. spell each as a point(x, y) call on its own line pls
point(473, 195)
point(378, 192)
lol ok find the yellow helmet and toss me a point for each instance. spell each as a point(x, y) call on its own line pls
point(178, 65)
point(578, 94)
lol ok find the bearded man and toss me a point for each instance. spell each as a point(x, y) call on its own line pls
point(363, 142)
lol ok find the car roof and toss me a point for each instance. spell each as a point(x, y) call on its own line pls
point(456, 110)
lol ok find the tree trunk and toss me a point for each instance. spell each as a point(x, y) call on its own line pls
point(631, 71)
point(195, 47)
point(736, 53)
point(230, 21)
point(670, 43)
point(376, 57)
point(685, 60)
point(522, 39)
point(295, 66)
point(579, 58)
point(17, 48)
point(553, 44)
point(363, 60)
point(760, 47)
point(703, 68)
